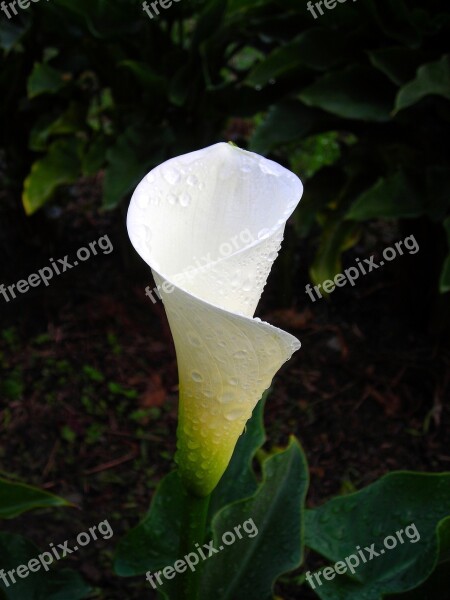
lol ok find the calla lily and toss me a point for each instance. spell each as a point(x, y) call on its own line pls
point(210, 224)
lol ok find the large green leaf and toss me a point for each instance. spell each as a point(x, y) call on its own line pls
point(320, 189)
point(70, 121)
point(209, 21)
point(398, 63)
point(17, 498)
point(61, 165)
point(414, 504)
point(393, 197)
point(356, 92)
point(63, 584)
point(318, 48)
point(337, 236)
point(147, 76)
point(154, 543)
point(431, 79)
point(248, 568)
point(283, 123)
point(135, 152)
point(44, 79)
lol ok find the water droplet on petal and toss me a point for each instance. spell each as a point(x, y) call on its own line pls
point(192, 180)
point(185, 199)
point(196, 376)
point(247, 285)
point(171, 175)
point(234, 415)
point(226, 398)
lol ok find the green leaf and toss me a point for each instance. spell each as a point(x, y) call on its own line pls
point(337, 236)
point(134, 153)
point(95, 156)
point(283, 123)
point(248, 569)
point(398, 63)
point(44, 79)
point(209, 21)
point(415, 504)
point(395, 18)
point(17, 498)
point(431, 79)
point(393, 197)
point(63, 584)
point(70, 121)
point(357, 92)
point(154, 543)
point(318, 192)
point(61, 165)
point(318, 48)
point(146, 76)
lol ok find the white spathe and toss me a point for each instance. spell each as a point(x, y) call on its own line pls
point(210, 224)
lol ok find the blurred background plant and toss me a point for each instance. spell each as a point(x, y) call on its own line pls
point(356, 102)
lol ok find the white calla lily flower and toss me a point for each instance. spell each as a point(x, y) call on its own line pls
point(210, 224)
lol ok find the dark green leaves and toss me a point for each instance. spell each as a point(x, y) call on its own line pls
point(61, 165)
point(136, 150)
point(44, 79)
point(414, 504)
point(355, 92)
point(154, 543)
point(283, 123)
point(431, 79)
point(17, 498)
point(247, 570)
point(274, 508)
point(391, 197)
point(61, 584)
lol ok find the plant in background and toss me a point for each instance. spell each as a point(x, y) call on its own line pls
point(15, 550)
point(190, 211)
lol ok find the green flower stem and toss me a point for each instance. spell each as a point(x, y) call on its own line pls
point(193, 527)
